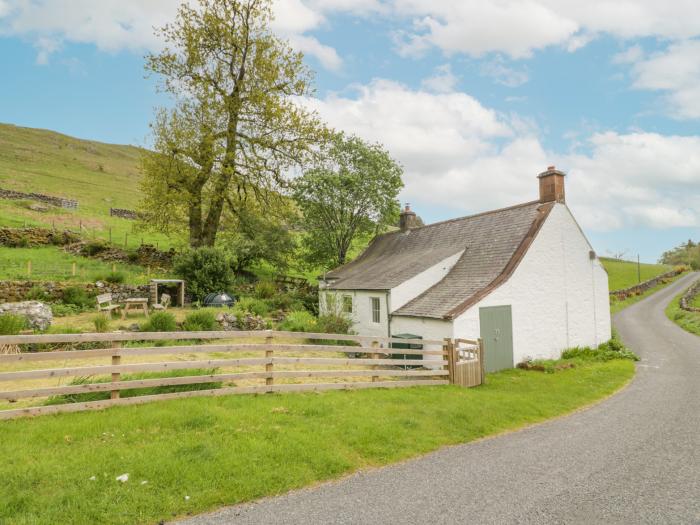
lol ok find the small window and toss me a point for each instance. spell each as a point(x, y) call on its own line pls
point(376, 317)
point(347, 304)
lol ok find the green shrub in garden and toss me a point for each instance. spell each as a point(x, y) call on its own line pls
point(250, 305)
point(114, 278)
point(201, 321)
point(78, 297)
point(11, 324)
point(101, 322)
point(160, 322)
point(334, 324)
point(299, 321)
point(37, 293)
point(265, 289)
point(206, 270)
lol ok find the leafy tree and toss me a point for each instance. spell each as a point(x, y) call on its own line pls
point(205, 270)
point(352, 193)
point(236, 128)
point(687, 253)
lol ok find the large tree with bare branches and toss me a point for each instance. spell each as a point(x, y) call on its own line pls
point(236, 127)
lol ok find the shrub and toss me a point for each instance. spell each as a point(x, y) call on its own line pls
point(299, 321)
point(132, 257)
point(265, 289)
point(334, 324)
point(200, 321)
point(206, 270)
point(11, 324)
point(37, 293)
point(114, 278)
point(160, 322)
point(77, 296)
point(63, 310)
point(250, 305)
point(94, 247)
point(283, 301)
point(101, 323)
point(613, 349)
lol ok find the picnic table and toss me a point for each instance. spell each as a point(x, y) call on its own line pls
point(134, 304)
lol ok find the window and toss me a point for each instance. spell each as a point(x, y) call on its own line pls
point(376, 317)
point(347, 304)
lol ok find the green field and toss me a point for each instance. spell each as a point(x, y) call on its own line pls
point(623, 274)
point(198, 454)
point(98, 176)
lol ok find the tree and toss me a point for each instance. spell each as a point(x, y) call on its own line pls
point(206, 270)
point(352, 193)
point(237, 127)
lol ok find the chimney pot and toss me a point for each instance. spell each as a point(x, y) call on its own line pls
point(407, 219)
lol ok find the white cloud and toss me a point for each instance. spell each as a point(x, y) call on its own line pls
point(115, 25)
point(519, 27)
point(442, 81)
point(503, 74)
point(462, 155)
point(629, 56)
point(676, 72)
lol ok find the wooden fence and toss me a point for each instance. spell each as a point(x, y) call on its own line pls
point(375, 365)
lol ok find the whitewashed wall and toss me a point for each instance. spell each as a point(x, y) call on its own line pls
point(362, 310)
point(418, 284)
point(558, 295)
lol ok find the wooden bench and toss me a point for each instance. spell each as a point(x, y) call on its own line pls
point(104, 303)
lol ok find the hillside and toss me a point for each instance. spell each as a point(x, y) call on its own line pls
point(97, 175)
point(623, 274)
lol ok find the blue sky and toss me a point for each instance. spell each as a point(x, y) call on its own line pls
point(474, 98)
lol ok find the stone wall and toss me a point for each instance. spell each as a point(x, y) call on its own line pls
point(15, 291)
point(643, 287)
point(686, 301)
point(48, 199)
point(124, 214)
point(21, 237)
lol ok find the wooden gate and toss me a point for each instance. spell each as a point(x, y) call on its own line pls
point(466, 362)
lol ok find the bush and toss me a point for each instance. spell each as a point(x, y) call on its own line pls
point(101, 323)
point(334, 324)
point(11, 324)
point(250, 305)
point(283, 301)
point(265, 289)
point(114, 278)
point(132, 257)
point(78, 297)
point(160, 322)
point(63, 310)
point(200, 321)
point(37, 293)
point(299, 321)
point(205, 270)
point(94, 247)
point(613, 349)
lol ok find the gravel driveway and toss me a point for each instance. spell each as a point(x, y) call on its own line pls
point(634, 458)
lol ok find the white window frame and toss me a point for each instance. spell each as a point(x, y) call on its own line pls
point(348, 302)
point(376, 312)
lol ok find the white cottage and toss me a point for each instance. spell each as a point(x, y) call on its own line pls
point(524, 278)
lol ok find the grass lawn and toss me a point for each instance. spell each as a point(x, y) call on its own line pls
point(51, 263)
point(623, 274)
point(689, 321)
point(198, 454)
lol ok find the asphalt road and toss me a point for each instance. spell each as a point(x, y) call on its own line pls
point(635, 458)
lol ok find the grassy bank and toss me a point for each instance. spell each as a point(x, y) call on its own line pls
point(689, 321)
point(617, 305)
point(623, 274)
point(198, 454)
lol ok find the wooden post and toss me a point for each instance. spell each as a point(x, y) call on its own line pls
point(81, 226)
point(375, 344)
point(126, 238)
point(114, 268)
point(116, 360)
point(482, 361)
point(29, 268)
point(72, 270)
point(110, 235)
point(148, 271)
point(448, 346)
point(269, 353)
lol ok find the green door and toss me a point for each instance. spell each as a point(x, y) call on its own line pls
point(496, 324)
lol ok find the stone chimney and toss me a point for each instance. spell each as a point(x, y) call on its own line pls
point(552, 185)
point(408, 220)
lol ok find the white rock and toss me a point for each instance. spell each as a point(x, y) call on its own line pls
point(123, 478)
point(38, 315)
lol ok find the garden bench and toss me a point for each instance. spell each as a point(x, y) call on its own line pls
point(164, 302)
point(104, 303)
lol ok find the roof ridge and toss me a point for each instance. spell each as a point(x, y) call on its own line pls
point(480, 214)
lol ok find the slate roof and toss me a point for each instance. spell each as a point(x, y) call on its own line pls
point(493, 244)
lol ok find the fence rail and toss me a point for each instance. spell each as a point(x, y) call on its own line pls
point(377, 365)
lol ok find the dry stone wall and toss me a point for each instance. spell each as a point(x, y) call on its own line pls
point(22, 237)
point(48, 199)
point(16, 291)
point(643, 287)
point(124, 214)
point(686, 301)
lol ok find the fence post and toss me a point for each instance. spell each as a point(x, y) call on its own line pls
point(29, 268)
point(116, 360)
point(126, 239)
point(482, 361)
point(375, 344)
point(110, 235)
point(73, 269)
point(114, 268)
point(448, 347)
point(269, 367)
